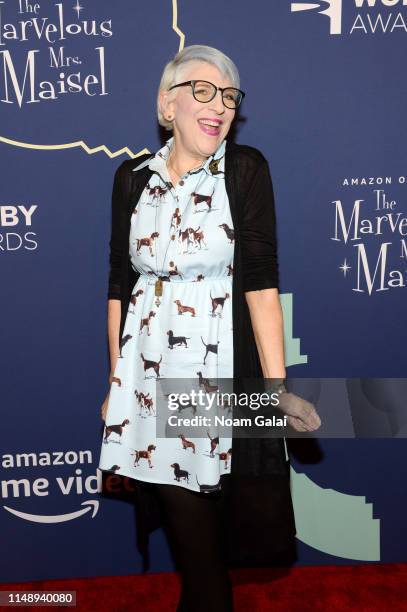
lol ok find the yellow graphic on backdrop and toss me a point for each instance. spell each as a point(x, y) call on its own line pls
point(81, 143)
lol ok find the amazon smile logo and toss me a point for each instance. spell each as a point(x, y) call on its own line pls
point(332, 10)
point(91, 506)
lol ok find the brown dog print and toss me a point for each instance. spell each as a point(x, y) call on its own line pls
point(116, 429)
point(187, 443)
point(198, 238)
point(144, 454)
point(150, 364)
point(216, 302)
point(213, 444)
point(175, 220)
point(145, 322)
point(173, 270)
point(157, 192)
point(185, 240)
point(230, 233)
point(133, 298)
point(183, 308)
point(226, 457)
point(147, 241)
point(199, 198)
point(199, 278)
point(123, 343)
point(205, 383)
point(145, 402)
point(210, 348)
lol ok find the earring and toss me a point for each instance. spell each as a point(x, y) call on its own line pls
point(170, 117)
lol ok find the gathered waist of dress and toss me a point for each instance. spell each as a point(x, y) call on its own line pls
point(151, 280)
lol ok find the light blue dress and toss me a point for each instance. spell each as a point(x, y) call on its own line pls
point(189, 335)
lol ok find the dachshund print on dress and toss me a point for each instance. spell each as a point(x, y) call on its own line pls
point(178, 473)
point(176, 340)
point(184, 235)
point(184, 308)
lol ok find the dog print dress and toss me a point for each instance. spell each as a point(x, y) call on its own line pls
point(184, 235)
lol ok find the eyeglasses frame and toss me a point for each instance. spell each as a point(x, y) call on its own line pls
point(221, 89)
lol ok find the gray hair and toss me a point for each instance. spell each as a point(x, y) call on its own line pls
point(175, 68)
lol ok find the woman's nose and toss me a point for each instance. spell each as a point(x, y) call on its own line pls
point(217, 103)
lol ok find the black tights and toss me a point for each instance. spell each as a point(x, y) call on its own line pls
point(195, 528)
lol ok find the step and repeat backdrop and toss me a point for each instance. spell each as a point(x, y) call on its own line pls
point(325, 102)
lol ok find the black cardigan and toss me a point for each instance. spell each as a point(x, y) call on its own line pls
point(259, 533)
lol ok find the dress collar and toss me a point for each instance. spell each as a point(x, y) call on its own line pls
point(213, 166)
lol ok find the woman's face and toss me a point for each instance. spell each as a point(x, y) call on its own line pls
point(196, 139)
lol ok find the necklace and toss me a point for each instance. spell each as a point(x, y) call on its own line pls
point(158, 285)
point(169, 163)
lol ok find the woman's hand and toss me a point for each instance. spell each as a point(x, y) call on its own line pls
point(103, 409)
point(301, 414)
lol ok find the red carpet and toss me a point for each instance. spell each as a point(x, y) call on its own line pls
point(328, 588)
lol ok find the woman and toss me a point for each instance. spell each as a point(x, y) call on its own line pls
point(195, 295)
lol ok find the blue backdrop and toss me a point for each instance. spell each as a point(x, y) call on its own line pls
point(325, 103)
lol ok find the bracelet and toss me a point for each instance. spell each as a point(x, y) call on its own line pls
point(281, 388)
point(278, 386)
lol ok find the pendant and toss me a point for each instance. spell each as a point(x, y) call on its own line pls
point(158, 290)
point(213, 166)
point(158, 287)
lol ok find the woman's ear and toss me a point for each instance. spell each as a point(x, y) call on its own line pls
point(166, 104)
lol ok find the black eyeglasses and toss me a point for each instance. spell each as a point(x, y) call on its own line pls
point(205, 91)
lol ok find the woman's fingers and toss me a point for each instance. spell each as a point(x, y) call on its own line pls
point(296, 424)
point(304, 416)
point(103, 409)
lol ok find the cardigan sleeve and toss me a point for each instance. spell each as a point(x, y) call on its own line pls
point(258, 233)
point(118, 239)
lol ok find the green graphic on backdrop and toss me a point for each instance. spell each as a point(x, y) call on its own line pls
point(330, 521)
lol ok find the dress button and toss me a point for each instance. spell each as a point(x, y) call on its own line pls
point(181, 183)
